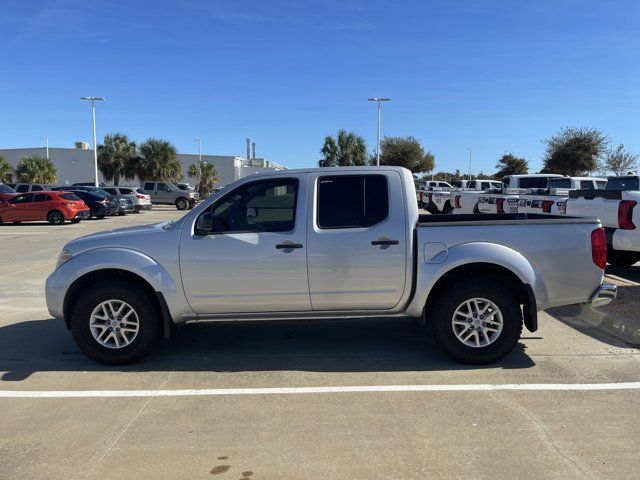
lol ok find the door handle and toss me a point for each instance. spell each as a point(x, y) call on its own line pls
point(287, 246)
point(385, 242)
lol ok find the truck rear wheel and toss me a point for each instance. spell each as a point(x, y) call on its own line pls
point(479, 323)
point(622, 259)
point(115, 323)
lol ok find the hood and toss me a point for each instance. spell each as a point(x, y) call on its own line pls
point(119, 237)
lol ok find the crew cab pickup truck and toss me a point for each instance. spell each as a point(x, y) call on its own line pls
point(167, 193)
point(616, 206)
point(326, 243)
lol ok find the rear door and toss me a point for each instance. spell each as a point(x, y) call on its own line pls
point(41, 206)
point(357, 244)
point(150, 188)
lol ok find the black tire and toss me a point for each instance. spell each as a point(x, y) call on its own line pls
point(1, 221)
point(475, 208)
point(54, 217)
point(182, 203)
point(100, 217)
point(75, 220)
point(622, 259)
point(149, 333)
point(442, 312)
point(18, 222)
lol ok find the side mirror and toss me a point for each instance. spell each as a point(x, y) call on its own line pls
point(204, 224)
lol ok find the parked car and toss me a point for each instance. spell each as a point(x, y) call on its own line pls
point(30, 187)
point(6, 192)
point(528, 180)
point(141, 201)
point(617, 207)
point(112, 203)
point(99, 204)
point(88, 184)
point(166, 193)
point(327, 243)
point(53, 207)
point(126, 206)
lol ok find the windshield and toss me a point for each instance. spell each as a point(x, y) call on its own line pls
point(6, 189)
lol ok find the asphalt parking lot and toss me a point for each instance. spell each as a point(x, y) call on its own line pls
point(268, 400)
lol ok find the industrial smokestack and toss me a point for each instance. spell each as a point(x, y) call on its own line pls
point(253, 147)
point(248, 148)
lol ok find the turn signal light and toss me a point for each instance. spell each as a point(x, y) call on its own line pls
point(546, 206)
point(456, 201)
point(500, 205)
point(599, 248)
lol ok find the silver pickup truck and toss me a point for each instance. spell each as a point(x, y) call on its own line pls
point(326, 243)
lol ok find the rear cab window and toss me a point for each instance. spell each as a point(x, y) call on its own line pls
point(534, 182)
point(560, 183)
point(351, 201)
point(149, 186)
point(623, 184)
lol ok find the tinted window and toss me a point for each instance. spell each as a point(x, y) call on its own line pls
point(69, 196)
point(534, 182)
point(622, 183)
point(126, 191)
point(6, 189)
point(112, 191)
point(22, 188)
point(11, 185)
point(586, 184)
point(560, 183)
point(22, 198)
point(163, 187)
point(258, 207)
point(600, 184)
point(37, 188)
point(350, 201)
point(41, 197)
point(148, 186)
point(141, 191)
point(471, 184)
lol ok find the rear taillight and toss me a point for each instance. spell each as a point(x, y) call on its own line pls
point(141, 197)
point(500, 205)
point(456, 201)
point(599, 248)
point(546, 206)
point(430, 197)
point(625, 214)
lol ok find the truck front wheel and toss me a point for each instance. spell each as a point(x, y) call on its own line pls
point(115, 323)
point(182, 204)
point(479, 323)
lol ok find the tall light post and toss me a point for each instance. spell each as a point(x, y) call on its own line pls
point(469, 149)
point(46, 145)
point(378, 100)
point(199, 148)
point(95, 143)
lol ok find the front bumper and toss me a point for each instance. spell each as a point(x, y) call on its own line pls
point(604, 295)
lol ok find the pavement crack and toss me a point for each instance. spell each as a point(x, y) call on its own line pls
point(574, 463)
point(126, 428)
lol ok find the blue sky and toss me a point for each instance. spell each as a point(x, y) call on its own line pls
point(496, 75)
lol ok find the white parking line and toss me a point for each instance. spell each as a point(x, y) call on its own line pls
point(334, 389)
point(23, 233)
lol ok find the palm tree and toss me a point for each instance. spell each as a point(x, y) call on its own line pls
point(114, 154)
point(158, 162)
point(6, 170)
point(206, 175)
point(36, 169)
point(346, 149)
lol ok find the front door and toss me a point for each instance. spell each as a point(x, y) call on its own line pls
point(357, 241)
point(250, 253)
point(19, 209)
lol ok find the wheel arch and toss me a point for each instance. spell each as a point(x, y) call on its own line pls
point(116, 275)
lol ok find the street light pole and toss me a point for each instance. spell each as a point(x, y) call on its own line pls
point(378, 100)
point(95, 143)
point(469, 148)
point(46, 145)
point(199, 148)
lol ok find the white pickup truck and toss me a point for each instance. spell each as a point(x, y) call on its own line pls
point(459, 200)
point(616, 207)
point(326, 243)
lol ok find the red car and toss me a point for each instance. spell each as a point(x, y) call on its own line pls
point(6, 192)
point(54, 207)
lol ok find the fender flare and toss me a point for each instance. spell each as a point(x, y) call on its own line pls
point(430, 271)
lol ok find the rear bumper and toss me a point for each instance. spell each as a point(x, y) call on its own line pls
point(143, 206)
point(604, 295)
point(82, 215)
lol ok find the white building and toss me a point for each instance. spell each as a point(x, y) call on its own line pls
point(76, 164)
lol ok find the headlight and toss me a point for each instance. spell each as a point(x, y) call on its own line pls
point(191, 194)
point(63, 257)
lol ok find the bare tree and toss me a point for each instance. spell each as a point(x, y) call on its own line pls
point(620, 161)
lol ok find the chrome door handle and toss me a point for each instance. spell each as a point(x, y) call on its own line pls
point(385, 242)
